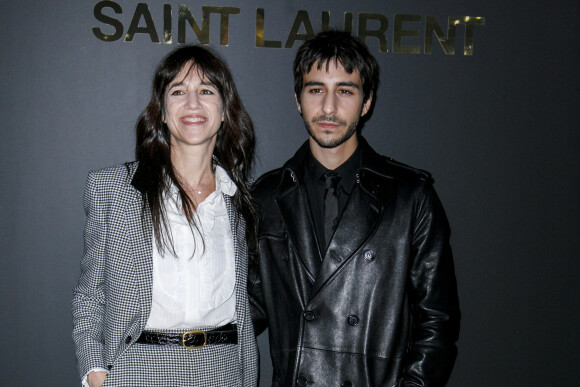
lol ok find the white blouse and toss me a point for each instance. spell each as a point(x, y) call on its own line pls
point(196, 287)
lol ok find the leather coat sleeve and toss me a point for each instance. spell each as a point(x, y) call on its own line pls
point(88, 305)
point(433, 297)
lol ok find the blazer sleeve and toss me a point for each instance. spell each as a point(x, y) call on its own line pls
point(256, 296)
point(433, 296)
point(88, 305)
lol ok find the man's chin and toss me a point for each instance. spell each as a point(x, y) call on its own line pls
point(329, 142)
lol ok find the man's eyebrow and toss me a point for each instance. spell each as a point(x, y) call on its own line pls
point(313, 83)
point(348, 84)
point(341, 84)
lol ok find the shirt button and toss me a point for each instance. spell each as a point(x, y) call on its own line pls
point(309, 315)
point(369, 254)
point(302, 381)
point(346, 383)
point(352, 320)
point(127, 339)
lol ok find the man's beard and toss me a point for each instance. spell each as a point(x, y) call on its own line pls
point(331, 142)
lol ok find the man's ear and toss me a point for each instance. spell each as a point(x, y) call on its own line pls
point(367, 105)
point(297, 103)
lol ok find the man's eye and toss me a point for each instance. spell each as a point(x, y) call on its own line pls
point(345, 92)
point(315, 90)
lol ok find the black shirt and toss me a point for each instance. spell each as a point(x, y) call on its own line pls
point(314, 182)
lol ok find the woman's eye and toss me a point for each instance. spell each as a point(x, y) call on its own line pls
point(177, 92)
point(207, 92)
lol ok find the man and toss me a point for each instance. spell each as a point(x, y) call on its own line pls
point(354, 275)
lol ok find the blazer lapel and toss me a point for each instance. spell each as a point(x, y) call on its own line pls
point(237, 224)
point(140, 231)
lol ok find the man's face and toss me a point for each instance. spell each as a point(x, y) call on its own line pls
point(331, 104)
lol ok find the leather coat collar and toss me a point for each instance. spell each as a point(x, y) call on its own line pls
point(359, 220)
point(371, 164)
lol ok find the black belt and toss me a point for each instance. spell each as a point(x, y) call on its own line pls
point(227, 334)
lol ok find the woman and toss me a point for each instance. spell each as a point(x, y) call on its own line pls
point(161, 299)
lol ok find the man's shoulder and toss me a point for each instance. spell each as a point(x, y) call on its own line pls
point(396, 169)
point(267, 183)
point(388, 167)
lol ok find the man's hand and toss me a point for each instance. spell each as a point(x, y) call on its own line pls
point(96, 378)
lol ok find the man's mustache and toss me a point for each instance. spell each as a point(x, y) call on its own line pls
point(332, 119)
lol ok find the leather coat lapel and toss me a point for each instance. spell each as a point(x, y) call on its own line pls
point(295, 210)
point(360, 218)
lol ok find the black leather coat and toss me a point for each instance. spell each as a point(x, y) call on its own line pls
point(380, 308)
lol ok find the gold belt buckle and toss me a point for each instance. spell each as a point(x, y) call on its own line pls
point(192, 332)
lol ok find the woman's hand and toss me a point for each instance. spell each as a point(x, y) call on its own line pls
point(96, 378)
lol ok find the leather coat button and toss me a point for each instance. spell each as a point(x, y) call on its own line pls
point(302, 381)
point(369, 254)
point(346, 383)
point(127, 339)
point(352, 320)
point(309, 315)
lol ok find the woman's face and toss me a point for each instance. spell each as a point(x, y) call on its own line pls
point(193, 110)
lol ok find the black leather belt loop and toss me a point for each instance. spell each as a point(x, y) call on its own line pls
point(227, 334)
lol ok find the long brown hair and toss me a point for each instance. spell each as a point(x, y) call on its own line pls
point(234, 148)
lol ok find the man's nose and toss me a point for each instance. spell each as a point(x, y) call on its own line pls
point(329, 104)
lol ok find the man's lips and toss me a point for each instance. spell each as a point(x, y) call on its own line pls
point(327, 125)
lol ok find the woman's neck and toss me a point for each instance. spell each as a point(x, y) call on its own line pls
point(195, 171)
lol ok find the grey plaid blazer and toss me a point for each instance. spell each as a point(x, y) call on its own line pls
point(112, 300)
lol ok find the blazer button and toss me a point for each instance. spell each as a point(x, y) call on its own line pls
point(302, 381)
point(309, 315)
point(352, 320)
point(346, 383)
point(369, 254)
point(128, 340)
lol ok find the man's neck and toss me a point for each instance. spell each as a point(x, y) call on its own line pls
point(332, 158)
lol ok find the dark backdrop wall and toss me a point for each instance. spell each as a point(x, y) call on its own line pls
point(498, 129)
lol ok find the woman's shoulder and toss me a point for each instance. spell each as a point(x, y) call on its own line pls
point(116, 174)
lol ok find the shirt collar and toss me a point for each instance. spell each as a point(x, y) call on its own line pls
point(223, 182)
point(347, 170)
